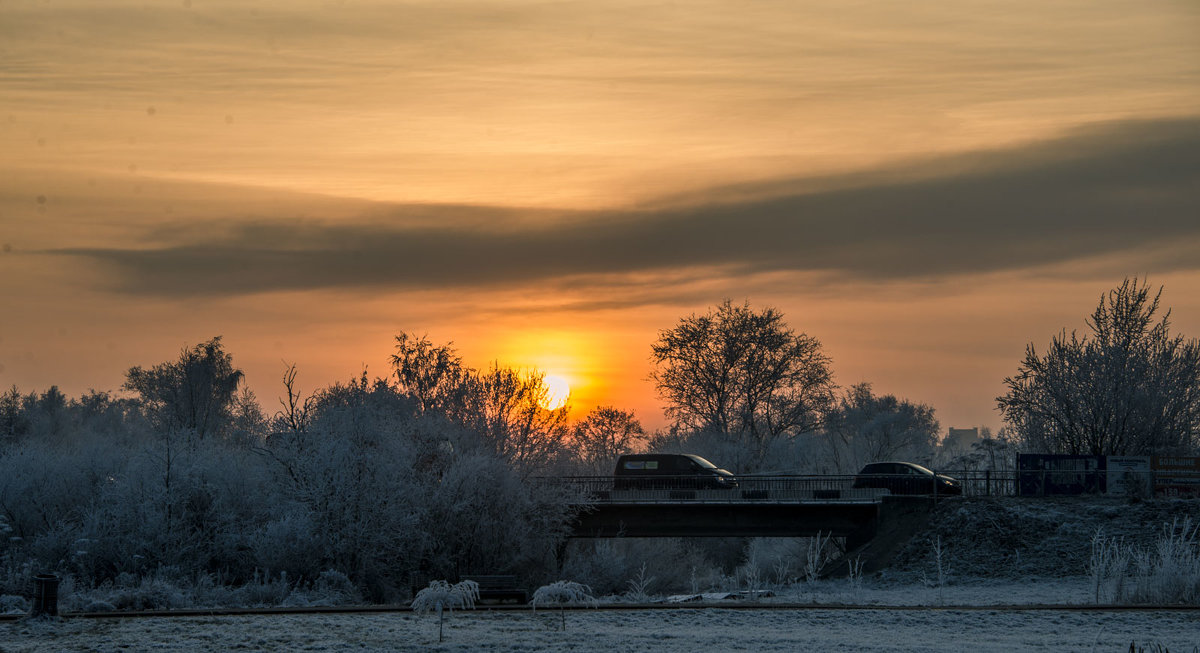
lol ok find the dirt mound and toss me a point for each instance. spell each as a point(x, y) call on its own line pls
point(1020, 538)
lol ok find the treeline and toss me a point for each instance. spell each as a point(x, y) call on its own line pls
point(190, 478)
point(433, 468)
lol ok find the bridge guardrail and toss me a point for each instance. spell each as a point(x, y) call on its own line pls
point(840, 487)
point(750, 488)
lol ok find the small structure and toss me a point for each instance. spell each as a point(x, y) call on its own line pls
point(45, 595)
point(499, 588)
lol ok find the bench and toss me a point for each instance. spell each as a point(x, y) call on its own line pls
point(498, 588)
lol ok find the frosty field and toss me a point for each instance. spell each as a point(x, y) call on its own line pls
point(682, 629)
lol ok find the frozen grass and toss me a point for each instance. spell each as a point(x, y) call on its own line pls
point(1166, 572)
point(1015, 538)
point(960, 592)
point(168, 589)
point(934, 630)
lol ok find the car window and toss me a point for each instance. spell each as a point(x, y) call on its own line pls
point(700, 463)
point(641, 464)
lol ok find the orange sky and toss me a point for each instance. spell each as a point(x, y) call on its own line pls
point(924, 187)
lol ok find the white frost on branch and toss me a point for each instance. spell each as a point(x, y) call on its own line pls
point(562, 593)
point(441, 594)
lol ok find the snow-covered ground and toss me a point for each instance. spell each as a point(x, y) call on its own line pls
point(891, 618)
point(1075, 590)
point(690, 630)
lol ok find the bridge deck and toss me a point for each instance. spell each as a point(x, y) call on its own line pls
point(748, 497)
point(761, 506)
point(750, 489)
point(697, 519)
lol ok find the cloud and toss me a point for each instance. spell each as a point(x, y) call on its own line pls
point(1115, 188)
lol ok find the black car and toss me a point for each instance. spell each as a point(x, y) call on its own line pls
point(906, 478)
point(659, 471)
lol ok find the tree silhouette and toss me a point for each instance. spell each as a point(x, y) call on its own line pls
point(742, 373)
point(194, 393)
point(1130, 388)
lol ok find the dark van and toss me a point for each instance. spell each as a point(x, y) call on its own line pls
point(906, 478)
point(657, 471)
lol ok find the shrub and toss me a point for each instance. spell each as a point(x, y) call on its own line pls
point(1166, 573)
point(440, 595)
point(563, 593)
point(10, 604)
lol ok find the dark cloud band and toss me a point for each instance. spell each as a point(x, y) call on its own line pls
point(1117, 188)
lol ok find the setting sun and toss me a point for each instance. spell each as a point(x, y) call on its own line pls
point(558, 390)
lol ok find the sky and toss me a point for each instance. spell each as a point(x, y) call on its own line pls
point(924, 187)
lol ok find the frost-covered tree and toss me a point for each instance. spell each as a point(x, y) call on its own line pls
point(441, 595)
point(431, 374)
point(742, 373)
point(1127, 388)
point(354, 481)
point(866, 427)
point(357, 479)
point(505, 406)
point(563, 593)
point(193, 394)
point(508, 409)
point(13, 422)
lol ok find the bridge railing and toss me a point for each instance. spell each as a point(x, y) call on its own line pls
point(1067, 482)
point(749, 488)
point(973, 483)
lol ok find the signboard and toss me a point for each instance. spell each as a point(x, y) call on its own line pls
point(1176, 476)
point(1129, 476)
point(1059, 474)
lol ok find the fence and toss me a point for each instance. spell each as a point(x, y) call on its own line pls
point(849, 487)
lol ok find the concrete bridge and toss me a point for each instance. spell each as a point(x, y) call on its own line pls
point(761, 506)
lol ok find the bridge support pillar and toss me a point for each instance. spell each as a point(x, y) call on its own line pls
point(860, 537)
point(560, 554)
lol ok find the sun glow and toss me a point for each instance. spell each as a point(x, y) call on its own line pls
point(558, 390)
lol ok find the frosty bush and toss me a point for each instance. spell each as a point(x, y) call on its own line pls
point(266, 590)
point(639, 584)
point(607, 565)
point(334, 588)
point(10, 604)
point(1166, 573)
point(157, 592)
point(1170, 571)
point(442, 595)
point(1107, 567)
point(563, 593)
point(816, 557)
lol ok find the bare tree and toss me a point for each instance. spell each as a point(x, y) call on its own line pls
point(866, 427)
point(1128, 388)
point(605, 433)
point(742, 373)
point(296, 411)
point(508, 408)
point(431, 374)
